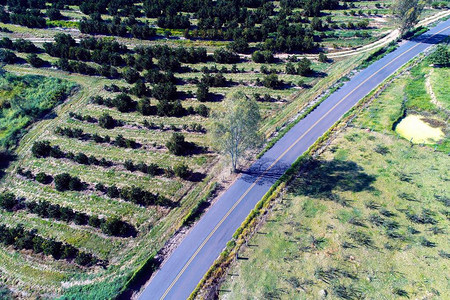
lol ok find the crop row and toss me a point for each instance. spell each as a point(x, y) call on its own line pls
point(111, 226)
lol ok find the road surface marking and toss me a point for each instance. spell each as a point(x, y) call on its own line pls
point(275, 162)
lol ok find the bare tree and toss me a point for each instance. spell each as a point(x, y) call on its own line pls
point(407, 13)
point(235, 130)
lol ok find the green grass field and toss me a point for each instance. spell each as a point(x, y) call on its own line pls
point(24, 100)
point(367, 219)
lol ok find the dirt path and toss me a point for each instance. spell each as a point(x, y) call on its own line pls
point(430, 92)
point(430, 89)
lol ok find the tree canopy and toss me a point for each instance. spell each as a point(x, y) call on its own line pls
point(236, 131)
point(407, 13)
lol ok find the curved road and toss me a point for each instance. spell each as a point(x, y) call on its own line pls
point(182, 271)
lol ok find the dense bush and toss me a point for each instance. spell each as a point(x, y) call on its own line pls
point(115, 226)
point(7, 56)
point(8, 201)
point(145, 108)
point(441, 56)
point(262, 57)
point(154, 76)
point(29, 18)
point(170, 108)
point(202, 110)
point(43, 178)
point(136, 195)
point(202, 92)
point(54, 14)
point(271, 81)
point(174, 21)
point(223, 56)
point(164, 91)
point(110, 226)
point(41, 149)
point(239, 45)
point(304, 67)
point(35, 60)
point(182, 171)
point(120, 141)
point(106, 121)
point(322, 57)
point(124, 103)
point(217, 80)
point(65, 181)
point(176, 144)
point(130, 75)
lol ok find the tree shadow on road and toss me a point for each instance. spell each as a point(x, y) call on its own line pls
point(259, 170)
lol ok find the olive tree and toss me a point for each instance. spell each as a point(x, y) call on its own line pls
point(235, 131)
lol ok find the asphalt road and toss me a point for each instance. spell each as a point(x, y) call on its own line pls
point(183, 270)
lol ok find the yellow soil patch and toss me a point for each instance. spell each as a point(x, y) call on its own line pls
point(413, 128)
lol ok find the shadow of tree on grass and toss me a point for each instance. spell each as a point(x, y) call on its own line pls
point(324, 178)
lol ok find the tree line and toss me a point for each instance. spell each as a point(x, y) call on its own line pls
point(20, 239)
point(77, 133)
point(110, 226)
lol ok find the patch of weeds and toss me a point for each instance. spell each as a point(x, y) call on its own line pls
point(425, 217)
point(348, 245)
point(427, 243)
point(443, 199)
point(407, 197)
point(394, 235)
point(318, 242)
point(330, 274)
point(444, 254)
point(352, 137)
point(372, 205)
point(345, 215)
point(381, 149)
point(436, 230)
point(412, 230)
point(362, 239)
point(400, 292)
point(311, 208)
point(387, 213)
point(357, 222)
point(404, 177)
point(347, 292)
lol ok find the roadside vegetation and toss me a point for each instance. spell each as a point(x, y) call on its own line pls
point(365, 219)
point(118, 109)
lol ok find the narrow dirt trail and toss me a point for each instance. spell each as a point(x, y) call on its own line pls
point(429, 88)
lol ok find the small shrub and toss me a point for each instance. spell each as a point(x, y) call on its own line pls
point(106, 121)
point(41, 149)
point(182, 171)
point(323, 58)
point(177, 144)
point(8, 201)
point(43, 178)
